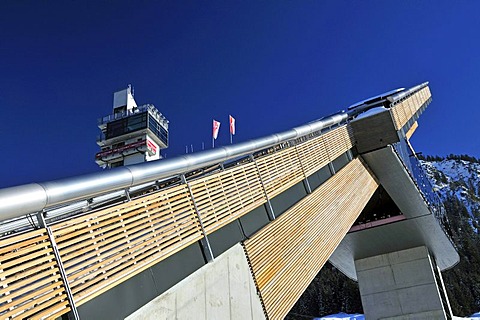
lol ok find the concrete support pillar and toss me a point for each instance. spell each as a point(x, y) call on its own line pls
point(402, 285)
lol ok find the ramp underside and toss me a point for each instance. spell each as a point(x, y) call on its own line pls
point(288, 253)
point(421, 227)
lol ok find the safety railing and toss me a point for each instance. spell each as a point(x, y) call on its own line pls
point(88, 254)
point(143, 108)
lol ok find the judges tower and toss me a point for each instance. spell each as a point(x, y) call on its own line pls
point(131, 134)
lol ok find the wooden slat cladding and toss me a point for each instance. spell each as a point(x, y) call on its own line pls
point(30, 281)
point(106, 247)
point(280, 171)
point(103, 248)
point(286, 255)
point(410, 131)
point(338, 141)
point(316, 153)
point(404, 110)
point(226, 196)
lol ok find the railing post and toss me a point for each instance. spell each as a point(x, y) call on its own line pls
point(332, 169)
point(349, 155)
point(206, 248)
point(306, 184)
point(270, 212)
point(127, 194)
point(61, 268)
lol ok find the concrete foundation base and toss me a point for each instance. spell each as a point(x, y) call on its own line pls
point(223, 289)
point(402, 285)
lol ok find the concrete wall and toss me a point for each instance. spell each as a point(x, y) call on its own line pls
point(223, 289)
point(399, 285)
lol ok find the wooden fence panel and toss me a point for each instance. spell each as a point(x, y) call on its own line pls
point(313, 155)
point(404, 110)
point(104, 248)
point(30, 281)
point(280, 171)
point(318, 152)
point(227, 195)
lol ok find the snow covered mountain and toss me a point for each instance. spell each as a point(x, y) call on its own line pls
point(456, 177)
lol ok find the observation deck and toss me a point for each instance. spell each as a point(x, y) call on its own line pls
point(132, 134)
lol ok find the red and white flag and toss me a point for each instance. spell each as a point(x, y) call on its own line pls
point(216, 127)
point(232, 125)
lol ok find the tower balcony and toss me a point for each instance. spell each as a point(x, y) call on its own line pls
point(144, 146)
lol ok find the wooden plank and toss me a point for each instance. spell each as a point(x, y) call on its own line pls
point(33, 252)
point(403, 111)
point(227, 195)
point(27, 271)
point(105, 229)
point(104, 252)
point(30, 275)
point(22, 286)
point(52, 300)
point(287, 254)
point(104, 286)
point(121, 230)
point(116, 218)
point(114, 241)
point(53, 312)
point(71, 225)
point(21, 242)
point(23, 298)
point(411, 130)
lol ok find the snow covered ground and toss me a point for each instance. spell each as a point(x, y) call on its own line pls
point(344, 316)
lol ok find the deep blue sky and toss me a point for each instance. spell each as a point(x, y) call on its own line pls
point(273, 65)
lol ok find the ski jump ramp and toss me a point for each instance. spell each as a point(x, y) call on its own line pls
point(237, 232)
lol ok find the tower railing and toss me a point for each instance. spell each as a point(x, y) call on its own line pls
point(143, 108)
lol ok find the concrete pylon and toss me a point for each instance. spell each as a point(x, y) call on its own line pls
point(402, 285)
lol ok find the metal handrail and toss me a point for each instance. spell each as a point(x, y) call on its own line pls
point(34, 197)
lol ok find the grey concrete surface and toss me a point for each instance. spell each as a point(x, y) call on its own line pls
point(223, 289)
point(400, 285)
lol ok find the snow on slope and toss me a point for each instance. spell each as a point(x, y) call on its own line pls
point(457, 178)
point(342, 316)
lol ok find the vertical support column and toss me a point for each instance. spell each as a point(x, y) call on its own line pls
point(401, 285)
point(349, 155)
point(61, 268)
point(270, 212)
point(207, 249)
point(332, 169)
